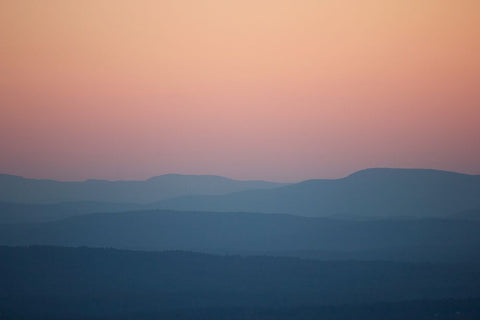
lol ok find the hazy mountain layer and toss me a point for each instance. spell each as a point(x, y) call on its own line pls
point(11, 212)
point(19, 189)
point(368, 193)
point(248, 233)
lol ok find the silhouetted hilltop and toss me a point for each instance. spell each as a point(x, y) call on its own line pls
point(19, 189)
point(370, 193)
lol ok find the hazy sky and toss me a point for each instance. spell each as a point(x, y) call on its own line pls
point(272, 89)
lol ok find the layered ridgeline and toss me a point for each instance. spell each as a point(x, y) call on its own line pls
point(448, 240)
point(22, 190)
point(368, 193)
point(30, 200)
point(371, 193)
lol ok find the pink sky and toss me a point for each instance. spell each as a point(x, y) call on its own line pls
point(274, 89)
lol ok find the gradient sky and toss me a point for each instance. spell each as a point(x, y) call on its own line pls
point(272, 89)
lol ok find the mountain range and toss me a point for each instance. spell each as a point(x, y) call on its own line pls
point(257, 233)
point(378, 244)
point(367, 193)
point(23, 190)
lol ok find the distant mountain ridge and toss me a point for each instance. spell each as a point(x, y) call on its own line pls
point(275, 234)
point(11, 212)
point(371, 192)
point(19, 189)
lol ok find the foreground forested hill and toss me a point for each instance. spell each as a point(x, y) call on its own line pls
point(53, 282)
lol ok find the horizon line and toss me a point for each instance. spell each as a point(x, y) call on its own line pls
point(236, 179)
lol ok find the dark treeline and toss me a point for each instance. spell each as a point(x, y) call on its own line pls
point(121, 309)
point(62, 283)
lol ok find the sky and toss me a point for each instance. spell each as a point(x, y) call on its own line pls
point(254, 89)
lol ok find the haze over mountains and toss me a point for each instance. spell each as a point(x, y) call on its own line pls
point(19, 189)
point(12, 212)
point(315, 247)
point(410, 193)
point(392, 214)
point(367, 193)
point(426, 240)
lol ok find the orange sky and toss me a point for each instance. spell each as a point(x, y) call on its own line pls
point(273, 89)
